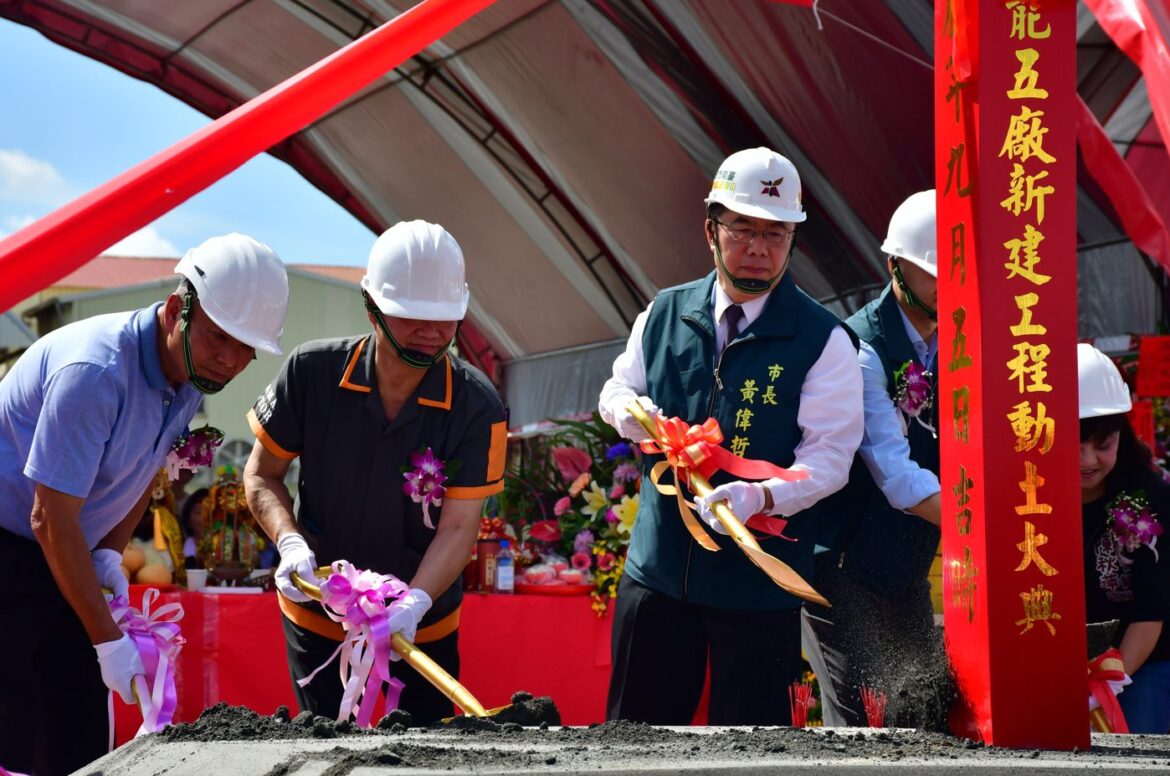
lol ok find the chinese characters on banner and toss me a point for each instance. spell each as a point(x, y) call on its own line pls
point(754, 396)
point(1005, 171)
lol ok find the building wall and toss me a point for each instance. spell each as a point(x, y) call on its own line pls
point(318, 307)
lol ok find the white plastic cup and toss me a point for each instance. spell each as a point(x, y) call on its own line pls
point(196, 579)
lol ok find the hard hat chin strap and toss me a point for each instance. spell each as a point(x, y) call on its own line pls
point(416, 359)
point(201, 384)
point(912, 298)
point(750, 285)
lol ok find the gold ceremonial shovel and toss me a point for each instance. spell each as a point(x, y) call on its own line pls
point(416, 659)
point(777, 570)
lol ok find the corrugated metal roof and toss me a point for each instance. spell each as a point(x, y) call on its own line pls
point(116, 271)
point(120, 271)
point(347, 274)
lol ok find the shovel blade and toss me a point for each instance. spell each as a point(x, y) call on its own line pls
point(487, 714)
point(783, 575)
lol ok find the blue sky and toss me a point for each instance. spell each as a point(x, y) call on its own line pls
point(69, 124)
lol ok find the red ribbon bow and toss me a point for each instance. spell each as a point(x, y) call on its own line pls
point(1103, 669)
point(687, 448)
point(698, 449)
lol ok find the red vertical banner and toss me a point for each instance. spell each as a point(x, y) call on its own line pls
point(1153, 372)
point(1141, 418)
point(1005, 169)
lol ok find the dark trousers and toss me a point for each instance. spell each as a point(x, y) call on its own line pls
point(306, 651)
point(53, 714)
point(886, 643)
point(661, 647)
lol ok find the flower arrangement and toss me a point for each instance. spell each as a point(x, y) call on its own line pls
point(193, 449)
point(424, 482)
point(1132, 523)
point(574, 493)
point(913, 393)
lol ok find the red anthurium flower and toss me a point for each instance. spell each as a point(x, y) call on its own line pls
point(545, 531)
point(572, 462)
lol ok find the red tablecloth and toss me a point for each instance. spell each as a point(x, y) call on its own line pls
point(547, 645)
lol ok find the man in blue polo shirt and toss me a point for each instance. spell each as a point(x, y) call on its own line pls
point(87, 417)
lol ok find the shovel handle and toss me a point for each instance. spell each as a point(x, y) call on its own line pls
point(414, 657)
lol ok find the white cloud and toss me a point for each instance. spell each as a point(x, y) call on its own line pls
point(10, 224)
point(29, 180)
point(145, 242)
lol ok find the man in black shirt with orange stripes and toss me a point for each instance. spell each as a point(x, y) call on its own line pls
point(363, 413)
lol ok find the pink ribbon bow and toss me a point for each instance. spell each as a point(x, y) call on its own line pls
point(159, 640)
point(357, 600)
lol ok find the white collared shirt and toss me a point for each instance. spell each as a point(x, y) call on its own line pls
point(830, 415)
point(720, 301)
point(885, 449)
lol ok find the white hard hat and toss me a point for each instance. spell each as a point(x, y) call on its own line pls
point(758, 183)
point(1102, 391)
point(912, 233)
point(242, 286)
point(416, 271)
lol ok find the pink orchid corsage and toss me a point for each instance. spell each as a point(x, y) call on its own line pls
point(912, 392)
point(360, 602)
point(193, 449)
point(424, 483)
point(1132, 523)
point(158, 639)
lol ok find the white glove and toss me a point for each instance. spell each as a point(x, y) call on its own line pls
point(404, 615)
point(108, 565)
point(745, 499)
point(632, 429)
point(1115, 686)
point(120, 664)
point(295, 555)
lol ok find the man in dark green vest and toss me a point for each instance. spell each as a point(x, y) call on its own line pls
point(879, 633)
point(779, 373)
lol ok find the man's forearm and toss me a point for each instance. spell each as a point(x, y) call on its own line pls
point(447, 555)
point(270, 502)
point(929, 509)
point(1138, 642)
point(69, 561)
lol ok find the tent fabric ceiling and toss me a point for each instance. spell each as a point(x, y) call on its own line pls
point(568, 143)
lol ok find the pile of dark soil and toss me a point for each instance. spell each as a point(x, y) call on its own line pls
point(508, 745)
point(405, 755)
point(222, 722)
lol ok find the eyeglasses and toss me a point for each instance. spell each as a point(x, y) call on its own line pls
point(745, 234)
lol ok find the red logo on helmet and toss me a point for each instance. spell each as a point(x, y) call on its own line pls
point(771, 187)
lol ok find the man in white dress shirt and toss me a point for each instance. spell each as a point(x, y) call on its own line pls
point(880, 632)
point(746, 346)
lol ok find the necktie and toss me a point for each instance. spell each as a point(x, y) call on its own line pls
point(733, 317)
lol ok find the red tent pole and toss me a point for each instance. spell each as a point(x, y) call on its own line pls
point(62, 241)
